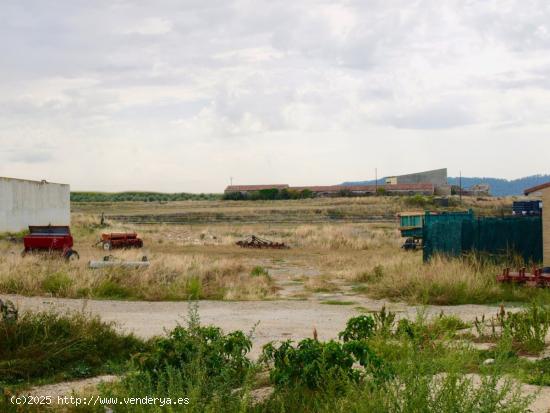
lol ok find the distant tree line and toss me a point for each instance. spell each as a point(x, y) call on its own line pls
point(268, 195)
point(139, 197)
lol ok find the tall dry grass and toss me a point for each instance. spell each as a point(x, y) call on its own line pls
point(169, 277)
point(202, 261)
point(446, 281)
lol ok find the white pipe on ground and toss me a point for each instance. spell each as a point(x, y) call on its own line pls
point(124, 264)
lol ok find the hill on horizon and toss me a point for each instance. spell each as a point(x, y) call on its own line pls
point(499, 186)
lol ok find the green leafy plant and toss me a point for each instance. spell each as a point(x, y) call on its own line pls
point(358, 328)
point(528, 328)
point(384, 321)
point(221, 357)
point(313, 364)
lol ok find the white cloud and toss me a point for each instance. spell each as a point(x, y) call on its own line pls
point(149, 26)
point(189, 93)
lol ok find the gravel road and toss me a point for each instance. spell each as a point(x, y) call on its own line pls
point(274, 320)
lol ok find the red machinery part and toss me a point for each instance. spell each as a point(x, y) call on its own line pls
point(120, 240)
point(50, 238)
point(537, 277)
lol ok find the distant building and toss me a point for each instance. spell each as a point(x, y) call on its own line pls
point(480, 190)
point(543, 192)
point(335, 190)
point(24, 203)
point(253, 188)
point(436, 177)
point(474, 190)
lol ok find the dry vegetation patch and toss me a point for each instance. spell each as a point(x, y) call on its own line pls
point(202, 260)
point(169, 277)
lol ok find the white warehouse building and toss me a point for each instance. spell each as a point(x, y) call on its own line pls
point(24, 203)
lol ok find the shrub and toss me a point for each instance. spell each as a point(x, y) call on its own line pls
point(174, 384)
point(313, 364)
point(138, 196)
point(528, 328)
point(418, 200)
point(220, 357)
point(41, 345)
point(414, 391)
point(358, 328)
point(384, 321)
point(537, 373)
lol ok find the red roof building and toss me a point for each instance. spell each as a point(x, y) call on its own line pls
point(252, 188)
point(405, 189)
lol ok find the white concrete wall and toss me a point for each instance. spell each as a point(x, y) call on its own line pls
point(24, 203)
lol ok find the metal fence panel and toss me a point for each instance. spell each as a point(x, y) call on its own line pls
point(454, 234)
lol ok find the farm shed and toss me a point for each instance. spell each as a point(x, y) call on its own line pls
point(24, 203)
point(543, 192)
point(454, 234)
point(436, 177)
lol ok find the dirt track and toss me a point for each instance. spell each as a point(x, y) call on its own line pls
point(277, 320)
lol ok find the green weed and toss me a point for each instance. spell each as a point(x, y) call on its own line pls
point(111, 289)
point(193, 288)
point(46, 345)
point(259, 271)
point(57, 283)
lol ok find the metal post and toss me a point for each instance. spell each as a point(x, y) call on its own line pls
point(375, 181)
point(460, 186)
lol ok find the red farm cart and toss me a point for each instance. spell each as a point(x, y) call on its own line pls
point(51, 239)
point(120, 240)
point(538, 277)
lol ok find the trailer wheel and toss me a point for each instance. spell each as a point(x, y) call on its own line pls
point(409, 245)
point(72, 255)
point(107, 246)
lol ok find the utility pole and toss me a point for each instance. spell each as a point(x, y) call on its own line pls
point(231, 180)
point(375, 181)
point(460, 186)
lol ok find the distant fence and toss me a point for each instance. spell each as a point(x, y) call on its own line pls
point(454, 234)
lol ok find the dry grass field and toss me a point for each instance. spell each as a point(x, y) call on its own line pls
point(339, 248)
point(344, 264)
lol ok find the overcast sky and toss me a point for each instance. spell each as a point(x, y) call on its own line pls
point(182, 95)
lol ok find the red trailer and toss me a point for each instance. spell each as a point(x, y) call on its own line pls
point(50, 238)
point(538, 277)
point(120, 240)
